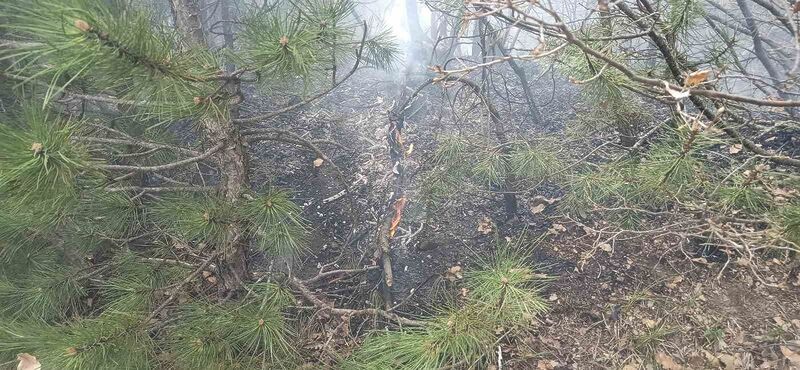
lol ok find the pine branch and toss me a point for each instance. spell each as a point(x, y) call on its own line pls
point(163, 167)
point(137, 142)
point(173, 294)
point(312, 98)
point(156, 189)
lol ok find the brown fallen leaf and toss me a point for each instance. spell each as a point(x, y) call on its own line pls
point(556, 229)
point(28, 362)
point(454, 273)
point(735, 148)
point(728, 361)
point(667, 362)
point(796, 7)
point(696, 78)
point(541, 199)
point(674, 282)
point(485, 226)
point(605, 247)
point(793, 357)
point(602, 5)
point(538, 208)
point(318, 162)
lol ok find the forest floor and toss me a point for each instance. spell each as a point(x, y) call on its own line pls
point(639, 302)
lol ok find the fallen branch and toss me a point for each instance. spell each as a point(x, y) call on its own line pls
point(309, 295)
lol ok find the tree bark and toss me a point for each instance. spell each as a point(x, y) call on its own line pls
point(232, 158)
point(186, 15)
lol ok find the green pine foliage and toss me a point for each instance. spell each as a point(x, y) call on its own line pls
point(503, 294)
point(507, 288)
point(253, 334)
point(110, 341)
point(681, 15)
point(117, 51)
point(748, 198)
point(276, 222)
point(38, 161)
point(789, 223)
point(193, 217)
point(45, 293)
point(461, 158)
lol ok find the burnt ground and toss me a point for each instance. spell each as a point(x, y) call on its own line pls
point(643, 303)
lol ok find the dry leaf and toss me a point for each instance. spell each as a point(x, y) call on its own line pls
point(677, 94)
point(674, 282)
point(735, 148)
point(284, 40)
point(538, 208)
point(782, 192)
point(793, 357)
point(28, 362)
point(398, 214)
point(728, 361)
point(796, 7)
point(649, 323)
point(556, 229)
point(696, 78)
point(605, 247)
point(410, 149)
point(540, 199)
point(546, 365)
point(318, 162)
point(82, 25)
point(454, 273)
point(36, 148)
point(667, 362)
point(197, 100)
point(553, 297)
point(602, 5)
point(485, 226)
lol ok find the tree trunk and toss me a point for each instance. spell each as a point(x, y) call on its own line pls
point(227, 32)
point(233, 159)
point(186, 15)
point(533, 110)
point(414, 29)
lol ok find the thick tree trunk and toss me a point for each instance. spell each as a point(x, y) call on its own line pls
point(233, 158)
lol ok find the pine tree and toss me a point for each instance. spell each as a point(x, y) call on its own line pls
point(113, 252)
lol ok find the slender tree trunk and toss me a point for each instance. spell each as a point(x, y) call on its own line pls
point(533, 110)
point(186, 14)
point(227, 31)
point(414, 29)
point(233, 159)
point(761, 52)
